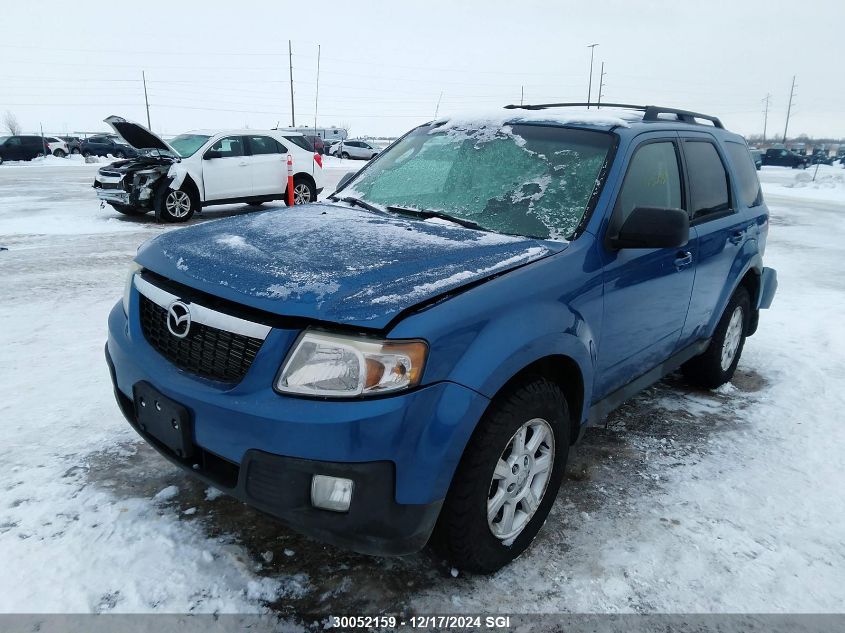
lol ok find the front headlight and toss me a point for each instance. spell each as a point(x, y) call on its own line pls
point(339, 365)
point(127, 287)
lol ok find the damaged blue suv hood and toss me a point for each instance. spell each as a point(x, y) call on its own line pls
point(334, 263)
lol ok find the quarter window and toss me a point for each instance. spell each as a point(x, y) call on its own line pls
point(653, 180)
point(708, 179)
point(746, 173)
point(229, 147)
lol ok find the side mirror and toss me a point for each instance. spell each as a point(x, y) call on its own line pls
point(212, 153)
point(346, 178)
point(653, 227)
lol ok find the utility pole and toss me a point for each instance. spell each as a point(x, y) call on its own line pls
point(437, 109)
point(789, 108)
point(521, 94)
point(592, 48)
point(601, 84)
point(317, 93)
point(146, 100)
point(290, 60)
point(766, 115)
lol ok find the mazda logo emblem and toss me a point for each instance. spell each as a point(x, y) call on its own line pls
point(179, 319)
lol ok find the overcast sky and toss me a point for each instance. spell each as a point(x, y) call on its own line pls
point(68, 65)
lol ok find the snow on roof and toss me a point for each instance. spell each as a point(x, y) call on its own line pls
point(605, 118)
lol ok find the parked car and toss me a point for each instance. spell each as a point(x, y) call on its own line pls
point(74, 143)
point(821, 157)
point(413, 358)
point(356, 149)
point(107, 145)
point(757, 157)
point(22, 147)
point(316, 142)
point(208, 167)
point(784, 158)
point(57, 146)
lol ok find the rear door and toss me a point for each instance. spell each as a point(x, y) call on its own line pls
point(722, 225)
point(269, 165)
point(33, 146)
point(228, 176)
point(646, 291)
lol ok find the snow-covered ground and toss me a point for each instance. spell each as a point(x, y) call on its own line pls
point(726, 501)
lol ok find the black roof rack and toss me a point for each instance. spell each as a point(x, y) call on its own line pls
point(650, 112)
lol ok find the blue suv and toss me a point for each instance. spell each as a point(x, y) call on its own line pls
point(411, 360)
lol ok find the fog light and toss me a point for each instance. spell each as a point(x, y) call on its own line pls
point(331, 493)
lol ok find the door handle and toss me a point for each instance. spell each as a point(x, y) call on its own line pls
point(683, 260)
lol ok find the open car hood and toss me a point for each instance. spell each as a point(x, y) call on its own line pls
point(333, 263)
point(137, 135)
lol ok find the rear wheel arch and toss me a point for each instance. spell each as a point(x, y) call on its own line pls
point(751, 282)
point(303, 175)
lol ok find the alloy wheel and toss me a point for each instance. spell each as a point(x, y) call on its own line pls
point(177, 203)
point(733, 336)
point(520, 479)
point(301, 194)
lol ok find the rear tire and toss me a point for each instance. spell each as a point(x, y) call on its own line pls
point(175, 205)
point(717, 364)
point(303, 192)
point(345, 155)
point(501, 493)
point(75, 150)
point(60, 153)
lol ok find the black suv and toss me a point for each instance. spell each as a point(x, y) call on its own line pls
point(105, 145)
point(784, 158)
point(22, 147)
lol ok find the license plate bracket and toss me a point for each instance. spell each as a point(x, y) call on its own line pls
point(164, 419)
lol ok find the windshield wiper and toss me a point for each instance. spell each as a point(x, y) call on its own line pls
point(425, 214)
point(359, 203)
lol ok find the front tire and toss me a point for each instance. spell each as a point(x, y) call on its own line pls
point(345, 155)
point(507, 479)
point(175, 205)
point(125, 209)
point(717, 364)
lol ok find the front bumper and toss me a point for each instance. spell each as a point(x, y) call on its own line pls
point(113, 195)
point(263, 448)
point(280, 486)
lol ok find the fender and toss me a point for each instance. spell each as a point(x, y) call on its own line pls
point(528, 314)
point(748, 259)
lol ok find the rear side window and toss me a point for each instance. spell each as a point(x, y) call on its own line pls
point(653, 180)
point(708, 179)
point(263, 145)
point(302, 142)
point(746, 173)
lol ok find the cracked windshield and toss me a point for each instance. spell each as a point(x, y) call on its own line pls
point(531, 180)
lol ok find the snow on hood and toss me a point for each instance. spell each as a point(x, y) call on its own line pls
point(334, 263)
point(137, 135)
